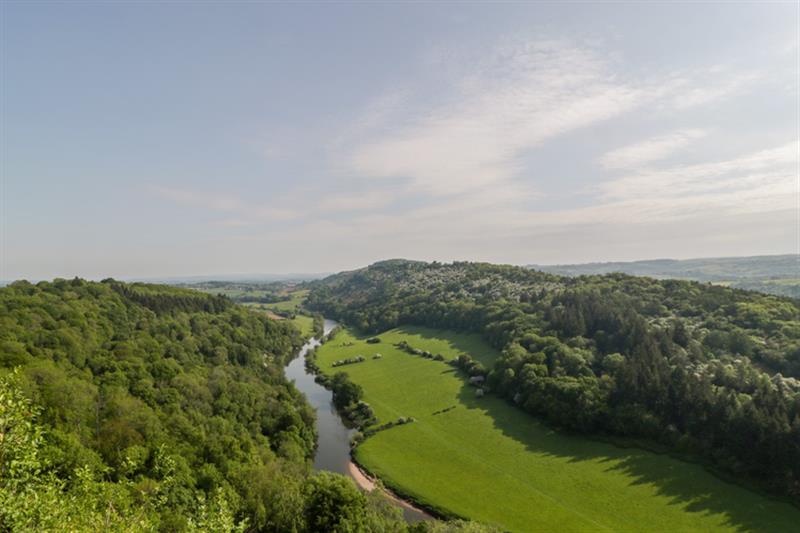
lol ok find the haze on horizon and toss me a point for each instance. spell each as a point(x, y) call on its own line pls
point(157, 140)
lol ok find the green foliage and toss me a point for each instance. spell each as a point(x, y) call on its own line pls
point(701, 369)
point(34, 498)
point(334, 504)
point(149, 408)
point(485, 459)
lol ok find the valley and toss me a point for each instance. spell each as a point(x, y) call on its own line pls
point(481, 458)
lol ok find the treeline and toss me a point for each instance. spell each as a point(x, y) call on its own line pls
point(702, 369)
point(347, 394)
point(149, 408)
point(164, 299)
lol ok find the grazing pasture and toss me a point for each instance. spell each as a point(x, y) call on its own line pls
point(304, 323)
point(483, 459)
point(292, 305)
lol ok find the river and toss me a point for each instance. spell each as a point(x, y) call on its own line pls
point(333, 450)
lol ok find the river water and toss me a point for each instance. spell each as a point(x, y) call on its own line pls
point(333, 450)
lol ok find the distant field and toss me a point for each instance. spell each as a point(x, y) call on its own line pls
point(291, 305)
point(488, 461)
point(234, 293)
point(304, 323)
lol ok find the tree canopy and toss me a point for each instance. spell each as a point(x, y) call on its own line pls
point(702, 369)
point(148, 408)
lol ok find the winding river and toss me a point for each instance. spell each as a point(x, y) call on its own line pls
point(333, 451)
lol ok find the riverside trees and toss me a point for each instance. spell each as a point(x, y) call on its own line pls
point(699, 368)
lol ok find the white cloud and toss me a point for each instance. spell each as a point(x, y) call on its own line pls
point(456, 162)
point(773, 169)
point(755, 184)
point(695, 92)
point(489, 117)
point(521, 98)
point(649, 150)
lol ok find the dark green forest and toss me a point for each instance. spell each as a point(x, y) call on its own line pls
point(706, 371)
point(133, 407)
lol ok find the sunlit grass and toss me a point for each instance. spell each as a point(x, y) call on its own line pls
point(489, 461)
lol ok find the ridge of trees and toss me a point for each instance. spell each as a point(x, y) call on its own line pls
point(701, 369)
point(137, 407)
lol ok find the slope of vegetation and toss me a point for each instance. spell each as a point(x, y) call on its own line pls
point(480, 457)
point(279, 300)
point(149, 408)
point(703, 370)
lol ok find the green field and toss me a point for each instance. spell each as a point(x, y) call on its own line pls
point(305, 324)
point(488, 461)
point(290, 305)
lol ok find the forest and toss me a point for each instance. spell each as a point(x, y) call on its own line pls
point(704, 371)
point(134, 407)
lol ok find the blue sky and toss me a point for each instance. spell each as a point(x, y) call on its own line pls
point(147, 139)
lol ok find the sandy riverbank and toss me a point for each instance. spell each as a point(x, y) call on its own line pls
point(367, 483)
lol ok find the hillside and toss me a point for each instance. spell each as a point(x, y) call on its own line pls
point(133, 407)
point(771, 274)
point(699, 369)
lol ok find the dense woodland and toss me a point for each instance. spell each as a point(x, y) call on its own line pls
point(149, 408)
point(704, 370)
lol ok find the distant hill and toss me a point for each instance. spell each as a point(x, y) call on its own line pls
point(771, 274)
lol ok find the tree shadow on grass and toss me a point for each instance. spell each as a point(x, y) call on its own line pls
point(686, 485)
point(468, 343)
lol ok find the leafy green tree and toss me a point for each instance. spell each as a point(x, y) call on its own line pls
point(334, 503)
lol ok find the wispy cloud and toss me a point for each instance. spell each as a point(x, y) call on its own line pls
point(718, 83)
point(458, 162)
point(488, 119)
point(771, 170)
point(650, 150)
point(523, 97)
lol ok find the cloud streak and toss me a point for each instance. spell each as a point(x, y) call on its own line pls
point(454, 170)
point(647, 151)
point(515, 103)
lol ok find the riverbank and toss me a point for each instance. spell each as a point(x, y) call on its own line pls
point(367, 483)
point(482, 458)
point(334, 450)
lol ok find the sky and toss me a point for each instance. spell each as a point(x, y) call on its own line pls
point(147, 139)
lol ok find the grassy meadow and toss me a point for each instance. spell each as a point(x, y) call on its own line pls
point(304, 323)
point(488, 461)
point(291, 305)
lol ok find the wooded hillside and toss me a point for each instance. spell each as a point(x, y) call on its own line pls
point(704, 370)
